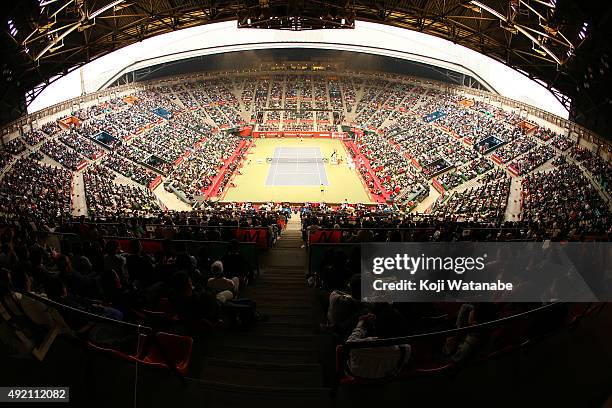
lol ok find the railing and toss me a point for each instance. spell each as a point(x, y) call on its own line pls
point(323, 240)
point(257, 235)
point(215, 249)
point(152, 347)
point(518, 325)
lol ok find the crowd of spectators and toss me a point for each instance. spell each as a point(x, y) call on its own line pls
point(564, 203)
point(581, 153)
point(34, 136)
point(61, 154)
point(98, 276)
point(515, 148)
point(168, 141)
point(80, 144)
point(188, 134)
point(14, 146)
point(601, 171)
point(199, 168)
point(105, 197)
point(465, 173)
point(391, 167)
point(533, 159)
point(210, 221)
point(50, 128)
point(5, 159)
point(545, 134)
point(38, 191)
point(562, 142)
point(129, 169)
point(427, 144)
point(484, 203)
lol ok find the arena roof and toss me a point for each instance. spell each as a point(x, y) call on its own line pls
point(366, 38)
point(562, 43)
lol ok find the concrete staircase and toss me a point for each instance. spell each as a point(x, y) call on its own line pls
point(281, 355)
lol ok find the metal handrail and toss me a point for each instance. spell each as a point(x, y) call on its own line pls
point(393, 341)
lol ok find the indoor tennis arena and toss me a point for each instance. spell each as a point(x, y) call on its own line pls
point(306, 203)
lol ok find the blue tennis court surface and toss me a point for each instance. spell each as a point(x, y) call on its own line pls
point(297, 166)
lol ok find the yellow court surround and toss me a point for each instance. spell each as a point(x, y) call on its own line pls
point(250, 184)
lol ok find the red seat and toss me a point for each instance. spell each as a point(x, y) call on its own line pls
point(165, 306)
point(156, 353)
point(171, 347)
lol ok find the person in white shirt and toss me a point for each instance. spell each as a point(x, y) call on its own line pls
point(220, 284)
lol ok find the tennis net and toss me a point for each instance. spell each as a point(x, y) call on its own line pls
point(296, 160)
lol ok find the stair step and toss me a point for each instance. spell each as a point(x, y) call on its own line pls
point(282, 307)
point(225, 394)
point(284, 276)
point(289, 273)
point(278, 284)
point(282, 314)
point(283, 298)
point(282, 330)
point(261, 374)
point(301, 304)
point(278, 316)
point(283, 267)
point(293, 293)
point(303, 341)
point(267, 354)
point(257, 365)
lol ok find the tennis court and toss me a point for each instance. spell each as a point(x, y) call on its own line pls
point(263, 178)
point(297, 166)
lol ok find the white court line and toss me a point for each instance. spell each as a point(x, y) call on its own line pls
point(275, 165)
point(293, 174)
point(318, 169)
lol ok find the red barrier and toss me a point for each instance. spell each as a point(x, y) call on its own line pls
point(98, 154)
point(82, 165)
point(528, 127)
point(298, 134)
point(69, 122)
point(178, 161)
point(148, 246)
point(362, 161)
point(496, 159)
point(324, 236)
point(246, 131)
point(214, 186)
point(513, 170)
point(257, 235)
point(155, 183)
point(438, 186)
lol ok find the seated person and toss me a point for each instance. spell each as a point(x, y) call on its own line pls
point(344, 309)
point(461, 347)
point(190, 304)
point(377, 362)
point(235, 263)
point(221, 285)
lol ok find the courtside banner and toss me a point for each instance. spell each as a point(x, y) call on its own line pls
point(486, 272)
